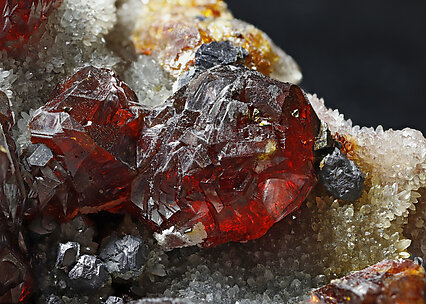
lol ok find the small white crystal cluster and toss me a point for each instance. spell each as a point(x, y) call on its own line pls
point(281, 267)
point(370, 229)
point(149, 81)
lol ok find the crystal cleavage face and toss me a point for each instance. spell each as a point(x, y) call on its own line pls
point(20, 18)
point(224, 159)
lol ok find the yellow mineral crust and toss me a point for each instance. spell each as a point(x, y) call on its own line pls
point(172, 30)
point(352, 236)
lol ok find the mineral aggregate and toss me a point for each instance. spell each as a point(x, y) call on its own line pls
point(20, 18)
point(14, 267)
point(173, 30)
point(390, 281)
point(328, 238)
point(360, 233)
point(225, 158)
point(92, 124)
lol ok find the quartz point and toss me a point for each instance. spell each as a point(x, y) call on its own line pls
point(390, 281)
point(20, 18)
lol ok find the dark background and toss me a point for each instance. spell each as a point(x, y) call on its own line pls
point(366, 58)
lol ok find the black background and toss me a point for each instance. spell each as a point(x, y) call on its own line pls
point(366, 58)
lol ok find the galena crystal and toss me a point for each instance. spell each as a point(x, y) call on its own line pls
point(391, 281)
point(224, 159)
point(20, 18)
point(172, 31)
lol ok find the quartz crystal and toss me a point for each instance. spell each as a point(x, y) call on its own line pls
point(390, 281)
point(20, 18)
point(172, 31)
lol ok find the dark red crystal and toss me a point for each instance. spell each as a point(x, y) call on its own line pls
point(232, 151)
point(20, 18)
point(391, 281)
point(224, 159)
point(92, 125)
point(14, 270)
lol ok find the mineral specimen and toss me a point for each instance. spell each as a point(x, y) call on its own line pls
point(124, 257)
point(390, 281)
point(20, 18)
point(88, 273)
point(341, 176)
point(218, 53)
point(172, 31)
point(92, 125)
point(14, 269)
point(68, 254)
point(226, 157)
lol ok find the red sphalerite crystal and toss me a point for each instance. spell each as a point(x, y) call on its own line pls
point(20, 18)
point(226, 157)
point(92, 125)
point(388, 282)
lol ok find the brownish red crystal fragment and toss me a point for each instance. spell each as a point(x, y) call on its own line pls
point(20, 18)
point(388, 282)
point(226, 157)
point(92, 125)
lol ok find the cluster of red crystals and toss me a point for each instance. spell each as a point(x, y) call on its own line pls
point(14, 270)
point(228, 155)
point(233, 151)
point(92, 125)
point(20, 18)
point(391, 281)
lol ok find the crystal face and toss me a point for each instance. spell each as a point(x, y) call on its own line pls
point(92, 125)
point(226, 157)
point(20, 18)
point(390, 281)
point(14, 268)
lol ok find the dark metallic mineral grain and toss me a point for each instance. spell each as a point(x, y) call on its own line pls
point(341, 176)
point(124, 257)
point(89, 273)
point(218, 53)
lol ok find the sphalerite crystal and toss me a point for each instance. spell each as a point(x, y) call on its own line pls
point(224, 159)
point(391, 281)
point(20, 18)
point(92, 124)
point(14, 268)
